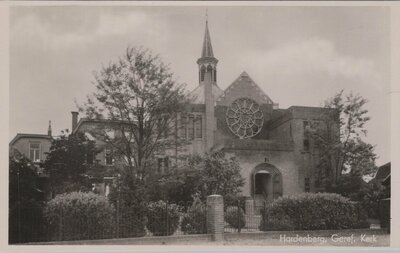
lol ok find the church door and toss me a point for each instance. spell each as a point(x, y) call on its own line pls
point(267, 184)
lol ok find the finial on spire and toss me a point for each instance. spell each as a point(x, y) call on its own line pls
point(206, 15)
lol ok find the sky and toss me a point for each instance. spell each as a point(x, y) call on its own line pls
point(297, 55)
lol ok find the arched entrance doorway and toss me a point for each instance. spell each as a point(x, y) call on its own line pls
point(267, 183)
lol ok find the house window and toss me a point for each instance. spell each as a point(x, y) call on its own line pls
point(306, 126)
point(198, 126)
point(109, 160)
point(306, 145)
point(191, 127)
point(34, 152)
point(163, 164)
point(307, 184)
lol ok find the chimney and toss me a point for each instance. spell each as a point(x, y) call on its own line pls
point(74, 120)
point(49, 129)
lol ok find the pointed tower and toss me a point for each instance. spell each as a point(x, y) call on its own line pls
point(208, 77)
point(49, 132)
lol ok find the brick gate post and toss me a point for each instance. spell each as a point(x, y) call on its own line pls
point(215, 217)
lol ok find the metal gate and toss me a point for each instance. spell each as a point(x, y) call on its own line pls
point(243, 215)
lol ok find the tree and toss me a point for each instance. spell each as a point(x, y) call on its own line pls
point(341, 148)
point(138, 93)
point(25, 206)
point(216, 174)
point(23, 181)
point(67, 163)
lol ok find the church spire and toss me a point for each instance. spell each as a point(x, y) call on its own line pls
point(207, 62)
point(207, 47)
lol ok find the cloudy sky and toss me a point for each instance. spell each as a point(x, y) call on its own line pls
point(297, 55)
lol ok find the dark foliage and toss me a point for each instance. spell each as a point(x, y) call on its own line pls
point(234, 216)
point(162, 218)
point(66, 163)
point(312, 211)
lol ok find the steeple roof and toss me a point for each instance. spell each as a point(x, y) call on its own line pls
point(207, 48)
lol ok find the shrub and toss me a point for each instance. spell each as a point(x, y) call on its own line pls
point(194, 221)
point(311, 211)
point(162, 218)
point(79, 216)
point(234, 216)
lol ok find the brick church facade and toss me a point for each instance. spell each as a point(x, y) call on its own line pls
point(275, 153)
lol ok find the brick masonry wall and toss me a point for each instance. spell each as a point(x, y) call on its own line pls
point(215, 217)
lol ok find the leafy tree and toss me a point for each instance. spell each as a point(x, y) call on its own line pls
point(25, 206)
point(352, 186)
point(66, 163)
point(216, 174)
point(23, 181)
point(339, 141)
point(140, 93)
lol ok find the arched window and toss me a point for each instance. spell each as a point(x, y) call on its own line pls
point(210, 70)
point(215, 75)
point(202, 73)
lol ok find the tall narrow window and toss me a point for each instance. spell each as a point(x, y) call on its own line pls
point(202, 72)
point(191, 127)
point(34, 152)
point(306, 126)
point(307, 184)
point(166, 164)
point(306, 145)
point(198, 126)
point(109, 160)
point(182, 127)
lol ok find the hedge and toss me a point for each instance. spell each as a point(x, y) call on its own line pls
point(312, 211)
point(79, 216)
point(162, 218)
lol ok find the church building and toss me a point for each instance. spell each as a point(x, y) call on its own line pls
point(275, 153)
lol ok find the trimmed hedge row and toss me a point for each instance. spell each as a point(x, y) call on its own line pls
point(80, 216)
point(312, 211)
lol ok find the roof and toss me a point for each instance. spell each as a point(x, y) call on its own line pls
point(197, 95)
point(383, 172)
point(88, 120)
point(22, 135)
point(245, 86)
point(207, 50)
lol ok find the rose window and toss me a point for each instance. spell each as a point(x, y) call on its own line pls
point(244, 118)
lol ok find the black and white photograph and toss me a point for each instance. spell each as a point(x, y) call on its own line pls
point(210, 123)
